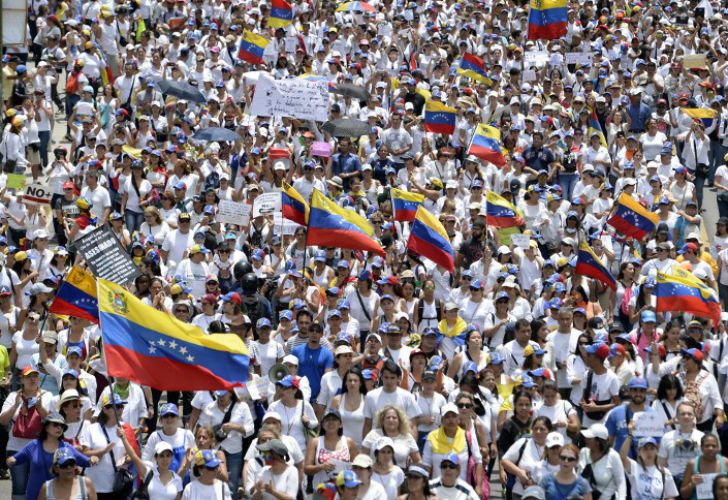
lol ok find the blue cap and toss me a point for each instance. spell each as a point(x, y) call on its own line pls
point(638, 383)
point(365, 275)
point(257, 254)
point(343, 263)
point(169, 409)
point(387, 296)
point(263, 323)
point(72, 372)
point(470, 366)
point(648, 317)
point(74, 350)
point(286, 314)
point(555, 304)
point(527, 382)
point(539, 372)
point(320, 257)
point(647, 441)
point(496, 358)
point(368, 374)
point(343, 304)
point(288, 381)
point(333, 313)
point(430, 331)
point(114, 399)
point(451, 457)
point(63, 456)
point(476, 284)
point(206, 458)
point(594, 348)
point(347, 479)
point(333, 291)
point(502, 295)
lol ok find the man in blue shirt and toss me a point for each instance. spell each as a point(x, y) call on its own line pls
point(639, 113)
point(620, 416)
point(538, 157)
point(345, 164)
point(313, 359)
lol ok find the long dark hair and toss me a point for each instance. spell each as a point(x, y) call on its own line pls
point(669, 381)
point(357, 373)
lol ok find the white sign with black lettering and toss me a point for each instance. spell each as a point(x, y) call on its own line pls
point(233, 212)
point(578, 58)
point(38, 193)
point(267, 204)
point(648, 424)
point(294, 98)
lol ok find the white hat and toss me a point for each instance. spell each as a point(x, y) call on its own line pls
point(290, 358)
point(363, 461)
point(451, 184)
point(343, 349)
point(554, 439)
point(598, 431)
point(693, 236)
point(449, 408)
point(279, 165)
point(630, 181)
point(162, 446)
point(272, 414)
point(383, 442)
point(503, 249)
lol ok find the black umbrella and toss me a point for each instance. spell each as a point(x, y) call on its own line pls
point(216, 134)
point(347, 127)
point(183, 90)
point(351, 90)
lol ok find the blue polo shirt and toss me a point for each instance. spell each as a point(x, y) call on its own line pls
point(616, 424)
point(313, 363)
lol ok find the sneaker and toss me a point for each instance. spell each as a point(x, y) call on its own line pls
point(4, 474)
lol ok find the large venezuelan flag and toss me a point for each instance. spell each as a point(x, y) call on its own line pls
point(500, 212)
point(329, 225)
point(428, 238)
point(700, 113)
point(252, 47)
point(405, 204)
point(473, 67)
point(294, 207)
point(281, 14)
point(77, 296)
point(547, 19)
point(631, 219)
point(486, 145)
point(588, 264)
point(439, 118)
point(596, 127)
point(681, 291)
point(153, 348)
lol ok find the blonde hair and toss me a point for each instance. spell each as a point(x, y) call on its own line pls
point(404, 427)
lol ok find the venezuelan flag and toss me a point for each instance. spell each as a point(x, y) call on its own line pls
point(595, 126)
point(428, 238)
point(77, 296)
point(547, 19)
point(330, 225)
point(500, 212)
point(252, 47)
point(681, 291)
point(486, 145)
point(588, 264)
point(405, 204)
point(700, 113)
point(281, 14)
point(473, 67)
point(154, 348)
point(631, 219)
point(439, 118)
point(294, 207)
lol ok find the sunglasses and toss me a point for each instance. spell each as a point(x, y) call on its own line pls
point(568, 459)
point(448, 465)
point(67, 465)
point(465, 406)
point(181, 311)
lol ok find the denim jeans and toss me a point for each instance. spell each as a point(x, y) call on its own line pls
point(45, 140)
point(19, 477)
point(133, 220)
point(568, 183)
point(235, 471)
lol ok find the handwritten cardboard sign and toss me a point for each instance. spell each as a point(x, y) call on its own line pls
point(232, 212)
point(295, 98)
point(578, 58)
point(321, 148)
point(649, 424)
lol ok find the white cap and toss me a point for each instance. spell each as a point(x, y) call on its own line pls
point(290, 358)
point(162, 446)
point(279, 165)
point(363, 461)
point(598, 431)
point(343, 349)
point(449, 408)
point(503, 249)
point(383, 442)
point(554, 439)
point(272, 414)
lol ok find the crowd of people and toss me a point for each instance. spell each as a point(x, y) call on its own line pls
point(371, 376)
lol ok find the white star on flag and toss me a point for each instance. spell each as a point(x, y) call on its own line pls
point(173, 345)
point(190, 358)
point(183, 350)
point(162, 343)
point(152, 350)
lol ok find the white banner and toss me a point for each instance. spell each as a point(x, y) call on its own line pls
point(294, 98)
point(232, 212)
point(578, 58)
point(14, 19)
point(536, 56)
point(267, 204)
point(649, 424)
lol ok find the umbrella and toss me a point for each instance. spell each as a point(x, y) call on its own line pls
point(355, 7)
point(351, 90)
point(347, 127)
point(183, 90)
point(216, 134)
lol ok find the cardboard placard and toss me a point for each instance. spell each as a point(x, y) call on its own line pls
point(536, 56)
point(38, 194)
point(521, 240)
point(294, 98)
point(695, 61)
point(578, 58)
point(106, 257)
point(529, 75)
point(233, 212)
point(321, 148)
point(267, 204)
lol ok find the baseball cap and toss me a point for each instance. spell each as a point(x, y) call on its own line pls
point(598, 431)
point(347, 479)
point(638, 383)
point(169, 409)
point(554, 439)
point(600, 350)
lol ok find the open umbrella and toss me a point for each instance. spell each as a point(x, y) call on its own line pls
point(216, 134)
point(355, 7)
point(351, 90)
point(183, 90)
point(347, 127)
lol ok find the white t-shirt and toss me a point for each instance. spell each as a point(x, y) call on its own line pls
point(390, 481)
point(650, 483)
point(132, 200)
point(99, 197)
point(15, 443)
point(531, 458)
point(212, 415)
point(197, 491)
point(102, 474)
point(378, 399)
point(160, 491)
point(677, 448)
point(181, 438)
point(604, 387)
point(286, 483)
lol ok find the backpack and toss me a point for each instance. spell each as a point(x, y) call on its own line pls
point(28, 424)
point(692, 394)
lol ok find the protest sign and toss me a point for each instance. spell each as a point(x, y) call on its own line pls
point(106, 257)
point(694, 61)
point(536, 56)
point(284, 226)
point(294, 98)
point(649, 424)
point(521, 240)
point(232, 212)
point(38, 194)
point(266, 204)
point(529, 75)
point(321, 148)
point(578, 58)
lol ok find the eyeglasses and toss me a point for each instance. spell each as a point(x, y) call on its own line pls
point(448, 465)
point(568, 459)
point(465, 406)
